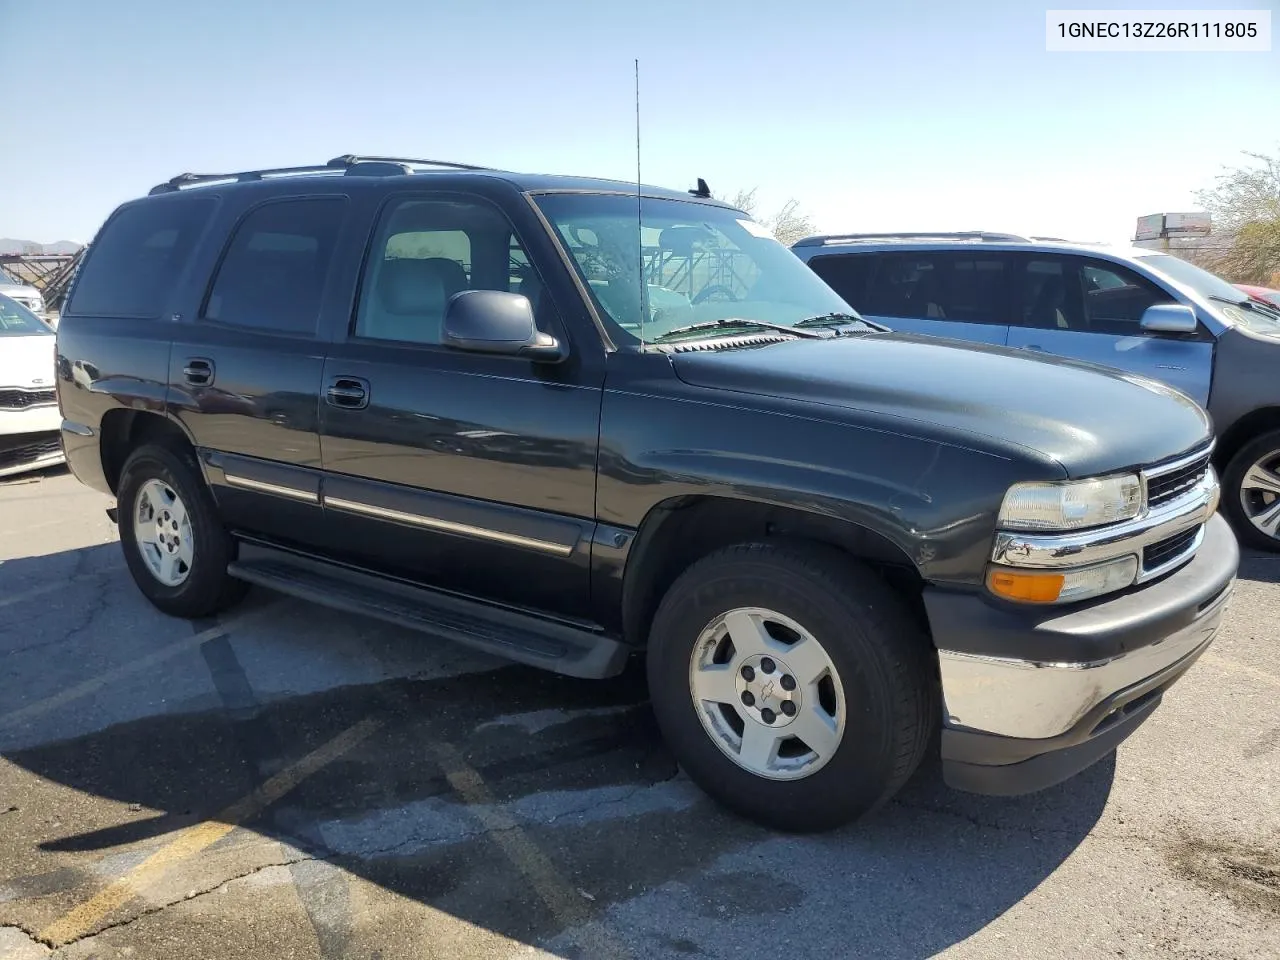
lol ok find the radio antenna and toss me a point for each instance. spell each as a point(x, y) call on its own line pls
point(644, 291)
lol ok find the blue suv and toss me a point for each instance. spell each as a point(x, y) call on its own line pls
point(1144, 312)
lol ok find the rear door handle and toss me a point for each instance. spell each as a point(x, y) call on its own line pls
point(198, 371)
point(350, 393)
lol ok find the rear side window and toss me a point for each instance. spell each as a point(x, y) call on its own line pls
point(131, 269)
point(273, 272)
point(962, 287)
point(1049, 295)
point(846, 274)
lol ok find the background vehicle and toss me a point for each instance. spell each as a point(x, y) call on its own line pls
point(498, 409)
point(29, 419)
point(24, 293)
point(1141, 311)
point(1264, 295)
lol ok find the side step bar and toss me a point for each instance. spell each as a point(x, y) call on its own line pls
point(551, 645)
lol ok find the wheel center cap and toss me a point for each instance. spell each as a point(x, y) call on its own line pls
point(768, 691)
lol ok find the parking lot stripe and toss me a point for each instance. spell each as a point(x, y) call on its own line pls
point(81, 920)
point(94, 684)
point(564, 902)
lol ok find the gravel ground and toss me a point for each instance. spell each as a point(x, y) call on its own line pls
point(291, 782)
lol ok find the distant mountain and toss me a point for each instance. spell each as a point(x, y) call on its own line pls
point(9, 245)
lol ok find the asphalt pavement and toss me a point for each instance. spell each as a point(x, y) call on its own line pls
point(286, 781)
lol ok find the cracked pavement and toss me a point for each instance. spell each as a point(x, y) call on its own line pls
point(564, 828)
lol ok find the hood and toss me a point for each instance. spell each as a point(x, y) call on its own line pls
point(24, 360)
point(18, 290)
point(1089, 419)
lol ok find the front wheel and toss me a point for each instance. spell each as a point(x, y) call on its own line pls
point(1251, 492)
point(173, 540)
point(791, 684)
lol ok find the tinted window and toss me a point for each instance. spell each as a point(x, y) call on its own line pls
point(1116, 297)
point(424, 252)
point(273, 272)
point(963, 287)
point(135, 261)
point(846, 274)
point(17, 321)
point(1049, 295)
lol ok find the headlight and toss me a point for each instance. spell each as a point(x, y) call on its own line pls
point(1071, 505)
point(1062, 586)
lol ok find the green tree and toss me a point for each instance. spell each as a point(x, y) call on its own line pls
point(1245, 206)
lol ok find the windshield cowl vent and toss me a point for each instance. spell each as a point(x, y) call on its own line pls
point(750, 340)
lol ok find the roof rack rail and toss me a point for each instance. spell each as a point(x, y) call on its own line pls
point(982, 235)
point(351, 159)
point(347, 164)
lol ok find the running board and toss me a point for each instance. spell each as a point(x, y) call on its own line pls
point(538, 642)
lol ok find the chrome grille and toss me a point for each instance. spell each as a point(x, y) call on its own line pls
point(19, 399)
point(1166, 484)
point(1170, 550)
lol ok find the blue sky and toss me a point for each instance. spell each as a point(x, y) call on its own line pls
point(905, 115)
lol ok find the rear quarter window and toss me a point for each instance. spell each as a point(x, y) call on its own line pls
point(135, 261)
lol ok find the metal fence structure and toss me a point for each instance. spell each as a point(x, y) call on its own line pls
point(50, 273)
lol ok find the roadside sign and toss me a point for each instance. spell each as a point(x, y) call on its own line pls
point(1150, 227)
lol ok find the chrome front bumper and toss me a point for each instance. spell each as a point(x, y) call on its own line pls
point(1121, 642)
point(1032, 700)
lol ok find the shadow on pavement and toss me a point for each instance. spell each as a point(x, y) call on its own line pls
point(580, 767)
point(1260, 567)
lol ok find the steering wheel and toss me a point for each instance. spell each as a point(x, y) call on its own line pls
point(707, 292)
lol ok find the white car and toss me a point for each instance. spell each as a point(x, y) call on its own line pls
point(30, 422)
point(24, 293)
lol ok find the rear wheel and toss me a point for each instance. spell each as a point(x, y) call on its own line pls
point(173, 540)
point(1251, 492)
point(791, 684)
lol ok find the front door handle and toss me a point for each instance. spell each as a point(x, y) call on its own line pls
point(198, 371)
point(350, 393)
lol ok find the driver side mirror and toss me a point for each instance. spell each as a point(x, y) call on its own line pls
point(492, 321)
point(1169, 318)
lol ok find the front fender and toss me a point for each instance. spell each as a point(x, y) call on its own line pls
point(936, 502)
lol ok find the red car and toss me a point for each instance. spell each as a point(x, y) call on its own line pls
point(1263, 295)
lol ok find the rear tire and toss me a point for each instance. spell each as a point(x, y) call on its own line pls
point(1251, 492)
point(778, 610)
point(174, 542)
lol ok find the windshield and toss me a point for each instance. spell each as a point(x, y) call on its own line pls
point(701, 263)
point(17, 321)
point(1198, 279)
point(1253, 316)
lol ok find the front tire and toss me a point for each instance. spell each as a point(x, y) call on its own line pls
point(791, 684)
point(1251, 492)
point(174, 542)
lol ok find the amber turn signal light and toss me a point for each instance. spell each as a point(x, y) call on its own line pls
point(1025, 586)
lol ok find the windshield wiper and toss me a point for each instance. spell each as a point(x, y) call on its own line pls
point(1235, 303)
point(1248, 304)
point(731, 322)
point(830, 320)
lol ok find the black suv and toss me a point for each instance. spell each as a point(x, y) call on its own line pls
point(568, 421)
